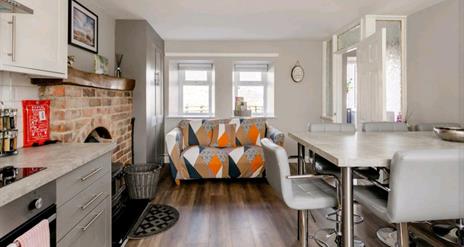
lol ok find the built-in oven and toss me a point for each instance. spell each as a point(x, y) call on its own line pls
point(22, 214)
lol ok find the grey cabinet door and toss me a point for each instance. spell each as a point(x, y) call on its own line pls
point(93, 230)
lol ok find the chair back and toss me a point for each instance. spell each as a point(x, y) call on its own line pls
point(426, 185)
point(277, 169)
point(331, 127)
point(430, 126)
point(384, 127)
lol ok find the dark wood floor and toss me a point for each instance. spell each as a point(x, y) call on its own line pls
point(243, 213)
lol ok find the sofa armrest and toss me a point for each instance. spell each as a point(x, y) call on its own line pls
point(174, 145)
point(275, 135)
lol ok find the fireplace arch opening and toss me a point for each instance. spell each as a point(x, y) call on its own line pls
point(99, 134)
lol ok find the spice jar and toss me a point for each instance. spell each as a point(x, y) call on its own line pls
point(1, 119)
point(6, 118)
point(10, 141)
point(6, 142)
point(1, 142)
point(13, 117)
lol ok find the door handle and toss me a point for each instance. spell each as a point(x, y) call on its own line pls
point(91, 201)
point(92, 221)
point(91, 174)
point(13, 38)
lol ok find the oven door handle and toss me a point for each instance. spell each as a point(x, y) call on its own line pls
point(52, 218)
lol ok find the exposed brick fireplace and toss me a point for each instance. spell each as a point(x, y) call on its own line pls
point(80, 113)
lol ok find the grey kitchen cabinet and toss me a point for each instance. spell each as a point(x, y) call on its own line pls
point(84, 205)
point(92, 230)
point(36, 44)
point(143, 51)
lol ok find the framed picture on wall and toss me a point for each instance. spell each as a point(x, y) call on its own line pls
point(82, 27)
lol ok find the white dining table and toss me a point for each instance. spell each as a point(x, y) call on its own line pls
point(374, 149)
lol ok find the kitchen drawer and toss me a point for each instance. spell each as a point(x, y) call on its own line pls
point(70, 213)
point(76, 181)
point(93, 230)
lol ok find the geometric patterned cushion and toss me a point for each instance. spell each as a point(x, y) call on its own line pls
point(249, 131)
point(205, 162)
point(196, 132)
point(223, 135)
point(245, 161)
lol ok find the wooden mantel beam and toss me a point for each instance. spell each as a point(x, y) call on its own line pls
point(86, 79)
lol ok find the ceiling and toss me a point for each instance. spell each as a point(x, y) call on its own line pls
point(254, 19)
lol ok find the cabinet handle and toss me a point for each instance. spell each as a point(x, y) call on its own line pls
point(91, 201)
point(90, 174)
point(92, 221)
point(13, 38)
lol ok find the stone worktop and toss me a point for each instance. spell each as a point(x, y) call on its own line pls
point(362, 149)
point(59, 159)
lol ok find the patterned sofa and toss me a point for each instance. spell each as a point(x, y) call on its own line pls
point(219, 148)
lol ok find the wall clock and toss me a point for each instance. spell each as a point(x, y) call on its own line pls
point(297, 72)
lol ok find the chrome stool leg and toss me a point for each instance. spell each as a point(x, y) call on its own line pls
point(303, 228)
point(452, 234)
point(461, 233)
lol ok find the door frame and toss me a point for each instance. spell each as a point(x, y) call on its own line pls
point(368, 27)
point(338, 82)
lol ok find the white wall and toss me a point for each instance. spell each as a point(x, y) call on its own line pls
point(433, 64)
point(13, 89)
point(461, 61)
point(106, 35)
point(296, 104)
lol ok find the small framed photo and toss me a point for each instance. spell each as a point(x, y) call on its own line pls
point(83, 27)
point(101, 65)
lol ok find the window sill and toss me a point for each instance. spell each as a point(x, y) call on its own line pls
point(213, 117)
point(256, 116)
point(190, 117)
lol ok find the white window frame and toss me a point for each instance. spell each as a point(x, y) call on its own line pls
point(264, 83)
point(208, 82)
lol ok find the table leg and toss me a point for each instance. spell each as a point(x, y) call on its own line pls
point(300, 162)
point(303, 167)
point(347, 207)
point(298, 166)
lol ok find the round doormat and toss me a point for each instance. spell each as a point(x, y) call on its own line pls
point(155, 219)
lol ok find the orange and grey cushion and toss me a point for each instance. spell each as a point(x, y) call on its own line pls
point(223, 135)
point(205, 162)
point(275, 135)
point(249, 131)
point(245, 161)
point(196, 132)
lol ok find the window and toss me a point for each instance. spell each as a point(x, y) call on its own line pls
point(349, 37)
point(254, 82)
point(393, 67)
point(195, 89)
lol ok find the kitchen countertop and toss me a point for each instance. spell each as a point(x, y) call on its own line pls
point(59, 159)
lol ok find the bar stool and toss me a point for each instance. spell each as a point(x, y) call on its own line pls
point(384, 127)
point(383, 173)
point(300, 192)
point(443, 231)
point(424, 185)
point(325, 167)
